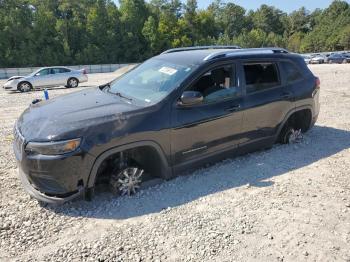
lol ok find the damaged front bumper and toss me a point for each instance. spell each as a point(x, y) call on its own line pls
point(52, 179)
point(32, 191)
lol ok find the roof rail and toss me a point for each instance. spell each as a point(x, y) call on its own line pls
point(174, 50)
point(264, 50)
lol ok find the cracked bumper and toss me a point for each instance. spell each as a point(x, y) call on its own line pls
point(32, 191)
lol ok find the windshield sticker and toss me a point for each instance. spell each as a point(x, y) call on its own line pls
point(167, 70)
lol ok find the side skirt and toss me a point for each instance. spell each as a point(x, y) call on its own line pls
point(207, 160)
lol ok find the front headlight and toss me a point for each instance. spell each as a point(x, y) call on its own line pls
point(53, 148)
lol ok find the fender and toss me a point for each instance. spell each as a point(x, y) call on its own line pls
point(166, 170)
point(292, 111)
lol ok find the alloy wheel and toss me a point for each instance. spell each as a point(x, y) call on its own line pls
point(25, 87)
point(73, 82)
point(294, 136)
point(128, 181)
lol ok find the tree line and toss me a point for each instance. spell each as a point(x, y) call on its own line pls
point(53, 32)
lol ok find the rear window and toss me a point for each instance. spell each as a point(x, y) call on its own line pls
point(260, 76)
point(291, 71)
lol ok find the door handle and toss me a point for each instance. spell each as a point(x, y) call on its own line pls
point(286, 95)
point(233, 108)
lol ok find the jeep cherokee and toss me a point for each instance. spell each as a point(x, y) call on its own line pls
point(173, 113)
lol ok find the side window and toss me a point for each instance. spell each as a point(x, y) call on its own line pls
point(43, 72)
point(55, 70)
point(260, 76)
point(291, 71)
point(217, 84)
point(64, 70)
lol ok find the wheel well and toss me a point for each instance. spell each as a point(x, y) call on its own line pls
point(18, 85)
point(145, 157)
point(300, 120)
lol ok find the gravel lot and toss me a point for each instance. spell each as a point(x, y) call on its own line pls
point(290, 203)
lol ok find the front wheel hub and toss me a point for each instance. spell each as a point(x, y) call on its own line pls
point(295, 136)
point(127, 181)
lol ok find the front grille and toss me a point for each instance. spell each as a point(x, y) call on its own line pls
point(18, 139)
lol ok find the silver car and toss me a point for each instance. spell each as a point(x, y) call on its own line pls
point(307, 58)
point(47, 77)
point(317, 59)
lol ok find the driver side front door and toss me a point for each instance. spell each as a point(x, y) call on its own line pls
point(203, 130)
point(42, 78)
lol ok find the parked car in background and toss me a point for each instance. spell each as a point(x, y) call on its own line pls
point(307, 58)
point(317, 59)
point(182, 109)
point(47, 77)
point(337, 59)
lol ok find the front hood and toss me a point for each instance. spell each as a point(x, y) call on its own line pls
point(14, 77)
point(70, 115)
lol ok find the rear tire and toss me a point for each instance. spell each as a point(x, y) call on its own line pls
point(286, 134)
point(72, 82)
point(24, 87)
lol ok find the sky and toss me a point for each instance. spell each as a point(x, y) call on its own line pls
point(286, 5)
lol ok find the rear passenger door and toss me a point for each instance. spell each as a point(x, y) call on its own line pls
point(266, 100)
point(58, 77)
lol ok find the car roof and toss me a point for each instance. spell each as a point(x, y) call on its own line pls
point(49, 67)
point(200, 56)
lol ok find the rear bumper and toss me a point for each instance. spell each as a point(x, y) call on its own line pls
point(83, 78)
point(43, 197)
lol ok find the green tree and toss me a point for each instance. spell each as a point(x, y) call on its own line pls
point(133, 17)
point(49, 32)
point(268, 19)
point(16, 39)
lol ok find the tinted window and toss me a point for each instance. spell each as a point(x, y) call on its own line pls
point(260, 76)
point(64, 70)
point(43, 72)
point(291, 71)
point(59, 70)
point(217, 84)
point(55, 71)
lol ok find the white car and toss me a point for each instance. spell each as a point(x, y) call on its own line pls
point(47, 77)
point(317, 59)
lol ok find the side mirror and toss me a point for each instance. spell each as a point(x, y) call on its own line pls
point(191, 98)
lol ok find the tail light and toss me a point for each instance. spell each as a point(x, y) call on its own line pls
point(84, 71)
point(317, 82)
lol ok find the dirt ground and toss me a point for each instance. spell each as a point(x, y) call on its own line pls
point(289, 203)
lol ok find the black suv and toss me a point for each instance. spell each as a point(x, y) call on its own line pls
point(175, 112)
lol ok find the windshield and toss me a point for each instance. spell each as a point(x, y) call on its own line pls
point(151, 81)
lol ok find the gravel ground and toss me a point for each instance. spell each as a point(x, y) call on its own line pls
point(290, 203)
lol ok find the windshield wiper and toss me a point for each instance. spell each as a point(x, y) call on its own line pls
point(108, 88)
point(122, 96)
